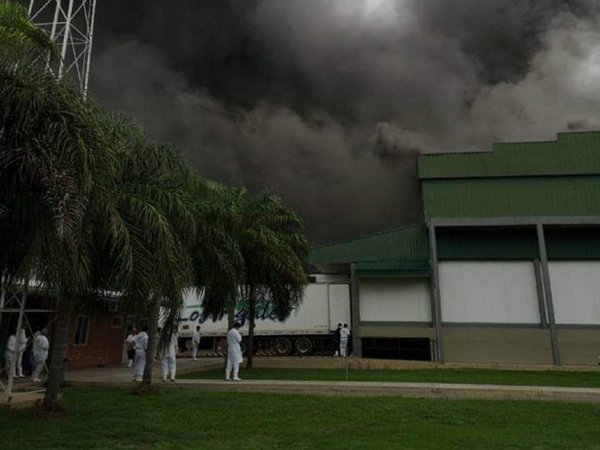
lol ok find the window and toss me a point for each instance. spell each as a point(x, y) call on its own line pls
point(117, 322)
point(113, 307)
point(82, 328)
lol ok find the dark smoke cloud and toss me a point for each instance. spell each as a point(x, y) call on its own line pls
point(329, 102)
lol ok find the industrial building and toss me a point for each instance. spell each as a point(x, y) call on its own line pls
point(96, 333)
point(505, 267)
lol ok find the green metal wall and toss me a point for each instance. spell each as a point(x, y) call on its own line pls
point(572, 153)
point(510, 197)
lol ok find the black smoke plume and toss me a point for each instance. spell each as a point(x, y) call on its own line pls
point(329, 102)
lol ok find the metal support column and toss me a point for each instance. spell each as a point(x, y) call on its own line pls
point(539, 284)
point(548, 293)
point(13, 362)
point(436, 308)
point(355, 312)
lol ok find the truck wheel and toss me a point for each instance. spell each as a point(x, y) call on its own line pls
point(303, 346)
point(283, 346)
point(243, 347)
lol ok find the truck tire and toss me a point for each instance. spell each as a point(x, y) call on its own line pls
point(283, 347)
point(303, 346)
point(243, 348)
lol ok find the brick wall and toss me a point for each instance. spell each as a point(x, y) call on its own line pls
point(104, 345)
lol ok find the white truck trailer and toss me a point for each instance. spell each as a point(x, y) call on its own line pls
point(310, 328)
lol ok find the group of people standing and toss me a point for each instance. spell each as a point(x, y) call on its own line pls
point(17, 346)
point(136, 344)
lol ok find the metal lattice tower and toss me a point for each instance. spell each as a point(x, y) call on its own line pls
point(70, 23)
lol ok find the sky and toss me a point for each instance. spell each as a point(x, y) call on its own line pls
point(330, 102)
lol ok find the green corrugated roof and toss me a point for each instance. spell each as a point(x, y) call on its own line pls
point(570, 154)
point(395, 251)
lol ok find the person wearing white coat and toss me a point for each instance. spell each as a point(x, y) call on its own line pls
point(130, 345)
point(41, 345)
point(344, 334)
point(168, 359)
point(11, 349)
point(234, 353)
point(139, 363)
point(196, 336)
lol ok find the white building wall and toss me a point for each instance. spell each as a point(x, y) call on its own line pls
point(394, 300)
point(576, 291)
point(488, 292)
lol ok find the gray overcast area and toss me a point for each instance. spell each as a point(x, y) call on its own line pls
point(329, 102)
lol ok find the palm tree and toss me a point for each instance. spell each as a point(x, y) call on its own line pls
point(245, 245)
point(51, 150)
point(81, 192)
point(38, 139)
point(22, 42)
point(88, 204)
point(145, 221)
point(218, 263)
point(275, 251)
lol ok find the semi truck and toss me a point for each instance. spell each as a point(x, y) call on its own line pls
point(310, 328)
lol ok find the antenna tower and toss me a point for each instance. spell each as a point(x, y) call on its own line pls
point(70, 23)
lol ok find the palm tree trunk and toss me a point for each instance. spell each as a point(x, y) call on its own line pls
point(231, 314)
point(60, 338)
point(251, 320)
point(152, 338)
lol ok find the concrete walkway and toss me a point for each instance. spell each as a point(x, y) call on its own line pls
point(124, 375)
point(119, 377)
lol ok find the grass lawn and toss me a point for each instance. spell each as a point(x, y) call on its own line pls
point(187, 419)
point(473, 376)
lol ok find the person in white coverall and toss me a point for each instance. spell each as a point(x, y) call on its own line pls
point(139, 363)
point(234, 353)
point(12, 347)
point(41, 345)
point(344, 333)
point(168, 359)
point(195, 342)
